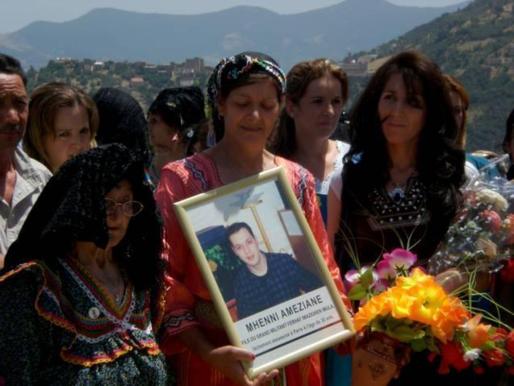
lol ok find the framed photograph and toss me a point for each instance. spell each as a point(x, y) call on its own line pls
point(264, 270)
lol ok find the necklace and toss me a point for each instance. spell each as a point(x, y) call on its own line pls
point(398, 192)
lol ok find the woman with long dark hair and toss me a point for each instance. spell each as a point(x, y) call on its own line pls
point(401, 179)
point(400, 185)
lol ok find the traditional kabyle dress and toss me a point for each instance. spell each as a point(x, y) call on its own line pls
point(382, 221)
point(59, 326)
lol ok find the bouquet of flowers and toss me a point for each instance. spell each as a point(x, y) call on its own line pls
point(482, 236)
point(409, 306)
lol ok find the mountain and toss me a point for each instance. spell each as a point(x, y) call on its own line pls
point(475, 44)
point(110, 34)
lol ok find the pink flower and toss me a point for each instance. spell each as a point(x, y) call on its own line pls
point(396, 262)
point(381, 285)
point(386, 270)
point(353, 276)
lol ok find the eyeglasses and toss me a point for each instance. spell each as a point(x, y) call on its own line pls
point(128, 208)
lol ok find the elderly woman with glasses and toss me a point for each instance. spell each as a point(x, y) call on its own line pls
point(80, 292)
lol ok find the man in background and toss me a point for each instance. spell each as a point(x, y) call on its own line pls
point(21, 178)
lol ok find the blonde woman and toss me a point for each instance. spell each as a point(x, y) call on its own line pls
point(62, 123)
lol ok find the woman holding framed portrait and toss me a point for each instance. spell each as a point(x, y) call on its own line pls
point(245, 95)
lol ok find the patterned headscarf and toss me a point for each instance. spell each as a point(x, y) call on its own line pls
point(232, 69)
point(238, 66)
point(71, 208)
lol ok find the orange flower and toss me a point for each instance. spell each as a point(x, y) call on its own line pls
point(477, 334)
point(417, 298)
point(379, 305)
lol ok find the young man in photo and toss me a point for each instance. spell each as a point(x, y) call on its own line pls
point(265, 279)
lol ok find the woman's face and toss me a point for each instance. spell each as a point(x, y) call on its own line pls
point(250, 112)
point(71, 136)
point(164, 140)
point(117, 221)
point(317, 112)
point(402, 115)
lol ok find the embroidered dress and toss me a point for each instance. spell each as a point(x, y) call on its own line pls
point(379, 223)
point(58, 326)
point(188, 300)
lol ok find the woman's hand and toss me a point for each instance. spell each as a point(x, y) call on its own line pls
point(227, 359)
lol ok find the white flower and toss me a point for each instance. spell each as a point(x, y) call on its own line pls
point(472, 355)
point(488, 196)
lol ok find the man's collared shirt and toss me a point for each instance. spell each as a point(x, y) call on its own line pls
point(31, 177)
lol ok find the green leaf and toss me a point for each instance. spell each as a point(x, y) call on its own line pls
point(358, 292)
point(487, 346)
point(418, 345)
point(406, 334)
point(366, 279)
point(431, 344)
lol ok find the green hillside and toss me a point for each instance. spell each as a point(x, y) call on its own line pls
point(142, 80)
point(475, 44)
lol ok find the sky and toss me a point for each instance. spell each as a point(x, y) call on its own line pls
point(16, 14)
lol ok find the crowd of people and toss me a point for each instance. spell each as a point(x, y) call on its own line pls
point(98, 284)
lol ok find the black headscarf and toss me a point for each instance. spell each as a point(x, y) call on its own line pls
point(122, 120)
point(71, 208)
point(179, 107)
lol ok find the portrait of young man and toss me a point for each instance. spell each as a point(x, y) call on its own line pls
point(265, 279)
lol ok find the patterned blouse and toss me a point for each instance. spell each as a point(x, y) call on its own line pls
point(381, 222)
point(60, 327)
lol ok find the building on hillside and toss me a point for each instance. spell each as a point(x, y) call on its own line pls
point(186, 80)
point(195, 64)
point(355, 68)
point(136, 81)
point(63, 60)
point(98, 66)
